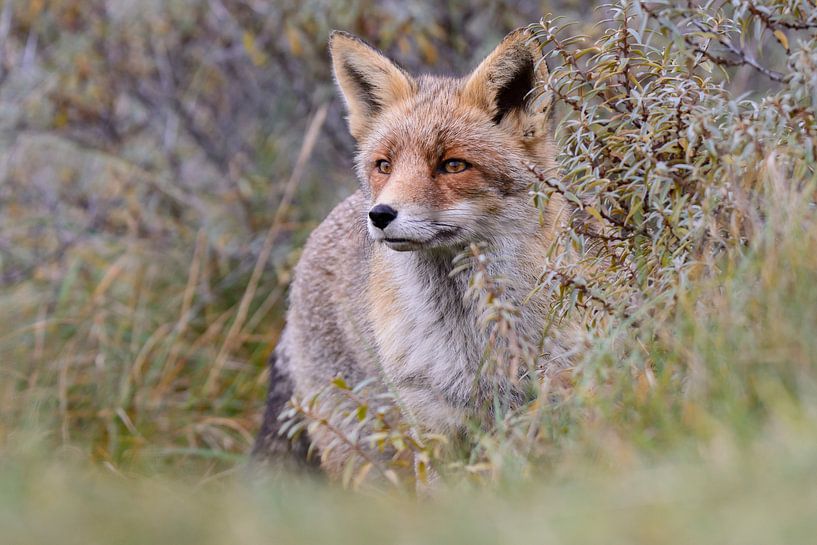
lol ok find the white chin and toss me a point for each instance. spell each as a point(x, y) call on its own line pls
point(403, 245)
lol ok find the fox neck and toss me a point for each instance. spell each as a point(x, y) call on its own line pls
point(430, 334)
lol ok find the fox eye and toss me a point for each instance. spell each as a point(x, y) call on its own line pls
point(453, 166)
point(383, 166)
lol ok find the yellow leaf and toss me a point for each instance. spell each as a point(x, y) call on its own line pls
point(61, 118)
point(361, 412)
point(340, 383)
point(427, 49)
point(257, 56)
point(593, 212)
point(781, 37)
point(294, 39)
point(422, 474)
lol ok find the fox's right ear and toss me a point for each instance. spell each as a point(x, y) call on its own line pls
point(367, 79)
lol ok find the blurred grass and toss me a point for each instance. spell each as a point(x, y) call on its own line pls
point(762, 496)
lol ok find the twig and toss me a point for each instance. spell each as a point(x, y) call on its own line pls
point(743, 57)
point(626, 229)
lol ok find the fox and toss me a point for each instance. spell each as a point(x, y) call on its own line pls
point(443, 163)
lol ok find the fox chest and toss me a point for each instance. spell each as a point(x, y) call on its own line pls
point(429, 345)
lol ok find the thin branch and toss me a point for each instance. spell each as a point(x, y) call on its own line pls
point(743, 58)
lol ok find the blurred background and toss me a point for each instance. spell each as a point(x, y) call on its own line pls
point(161, 163)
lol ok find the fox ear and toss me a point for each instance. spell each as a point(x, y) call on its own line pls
point(367, 79)
point(506, 80)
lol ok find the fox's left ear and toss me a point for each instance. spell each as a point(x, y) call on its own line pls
point(505, 82)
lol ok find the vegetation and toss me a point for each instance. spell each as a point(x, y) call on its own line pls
point(144, 257)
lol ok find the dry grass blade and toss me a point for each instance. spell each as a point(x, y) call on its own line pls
point(233, 335)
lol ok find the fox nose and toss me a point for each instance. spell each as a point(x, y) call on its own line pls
point(382, 215)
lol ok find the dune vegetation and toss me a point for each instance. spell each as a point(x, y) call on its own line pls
point(162, 166)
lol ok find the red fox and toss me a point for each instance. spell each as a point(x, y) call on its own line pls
point(443, 162)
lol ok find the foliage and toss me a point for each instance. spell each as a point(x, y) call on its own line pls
point(656, 150)
point(686, 198)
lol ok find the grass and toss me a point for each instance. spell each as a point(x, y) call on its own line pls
point(719, 445)
point(763, 495)
point(141, 349)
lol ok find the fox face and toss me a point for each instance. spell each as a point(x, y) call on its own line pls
point(444, 161)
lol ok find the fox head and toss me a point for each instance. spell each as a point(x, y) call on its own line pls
point(444, 160)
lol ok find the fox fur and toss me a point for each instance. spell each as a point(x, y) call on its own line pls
point(381, 302)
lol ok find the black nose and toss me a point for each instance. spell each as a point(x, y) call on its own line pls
point(382, 215)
